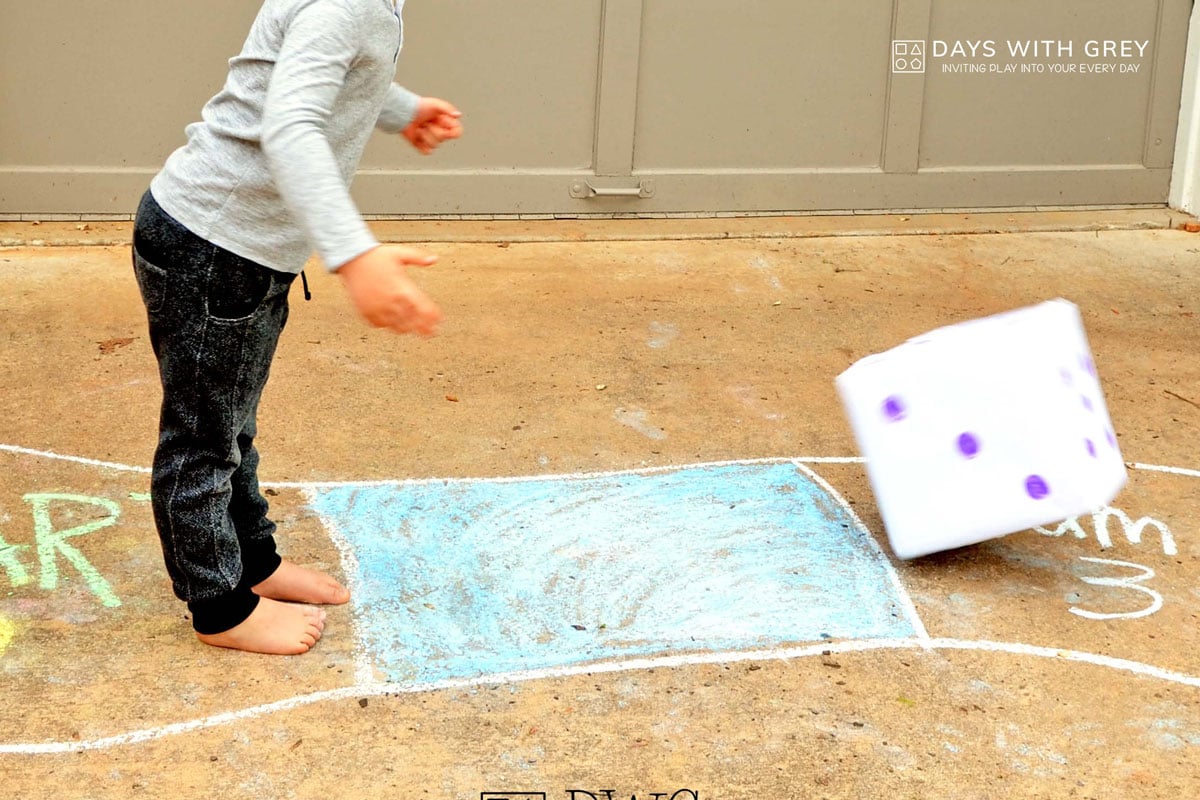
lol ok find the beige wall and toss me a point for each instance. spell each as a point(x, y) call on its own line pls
point(93, 95)
point(760, 105)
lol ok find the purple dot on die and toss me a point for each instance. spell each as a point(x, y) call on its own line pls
point(968, 445)
point(894, 409)
point(1091, 447)
point(1087, 402)
point(1066, 376)
point(1035, 487)
point(1112, 440)
point(1089, 366)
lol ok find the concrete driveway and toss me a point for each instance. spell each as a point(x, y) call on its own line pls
point(608, 534)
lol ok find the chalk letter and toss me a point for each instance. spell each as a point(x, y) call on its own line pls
point(1133, 530)
point(1071, 525)
point(50, 541)
point(7, 631)
point(17, 575)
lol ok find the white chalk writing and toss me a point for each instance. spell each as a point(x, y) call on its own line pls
point(1130, 582)
point(1132, 529)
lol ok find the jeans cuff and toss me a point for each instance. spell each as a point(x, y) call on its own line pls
point(259, 562)
point(219, 614)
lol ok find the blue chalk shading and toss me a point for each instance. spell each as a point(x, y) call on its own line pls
point(459, 579)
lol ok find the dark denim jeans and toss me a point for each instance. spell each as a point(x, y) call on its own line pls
point(215, 319)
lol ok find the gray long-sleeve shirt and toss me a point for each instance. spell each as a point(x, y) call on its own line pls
point(266, 174)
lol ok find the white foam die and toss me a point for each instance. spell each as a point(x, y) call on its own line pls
point(984, 428)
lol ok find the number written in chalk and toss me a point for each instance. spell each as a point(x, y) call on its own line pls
point(1125, 582)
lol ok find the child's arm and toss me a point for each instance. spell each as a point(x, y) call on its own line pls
point(376, 280)
point(425, 121)
point(435, 122)
point(399, 109)
point(385, 296)
point(320, 44)
point(310, 71)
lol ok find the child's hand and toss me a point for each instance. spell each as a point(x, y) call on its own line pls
point(382, 292)
point(435, 122)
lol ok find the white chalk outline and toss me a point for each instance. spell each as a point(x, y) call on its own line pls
point(364, 673)
point(906, 602)
point(359, 690)
point(91, 462)
point(364, 687)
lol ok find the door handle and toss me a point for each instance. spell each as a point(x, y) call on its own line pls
point(584, 190)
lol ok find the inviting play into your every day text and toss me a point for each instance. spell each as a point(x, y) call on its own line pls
point(1126, 49)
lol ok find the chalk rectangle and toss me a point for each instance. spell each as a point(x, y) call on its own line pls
point(458, 579)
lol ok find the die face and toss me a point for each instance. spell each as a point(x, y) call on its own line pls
point(984, 428)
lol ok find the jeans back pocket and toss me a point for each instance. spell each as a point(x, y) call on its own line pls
point(152, 283)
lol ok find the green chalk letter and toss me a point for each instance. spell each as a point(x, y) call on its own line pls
point(51, 542)
point(10, 561)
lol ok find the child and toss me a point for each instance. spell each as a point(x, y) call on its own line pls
point(220, 235)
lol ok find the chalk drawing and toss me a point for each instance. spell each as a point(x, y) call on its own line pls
point(91, 462)
point(893, 577)
point(1166, 734)
point(662, 334)
point(1191, 473)
point(1133, 583)
point(376, 688)
point(1042, 761)
point(365, 685)
point(10, 560)
point(1132, 529)
point(955, 734)
point(7, 631)
point(464, 578)
point(753, 400)
point(764, 266)
point(51, 543)
point(635, 418)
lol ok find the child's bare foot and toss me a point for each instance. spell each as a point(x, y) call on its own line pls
point(297, 584)
point(273, 628)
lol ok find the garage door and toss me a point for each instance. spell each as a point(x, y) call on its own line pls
point(648, 106)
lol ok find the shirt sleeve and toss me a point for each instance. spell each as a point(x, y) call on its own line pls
point(318, 49)
point(399, 108)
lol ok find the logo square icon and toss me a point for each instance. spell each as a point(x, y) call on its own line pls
point(908, 56)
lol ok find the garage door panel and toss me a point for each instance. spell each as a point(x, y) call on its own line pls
point(690, 192)
point(523, 72)
point(1038, 117)
point(1076, 120)
point(760, 84)
point(109, 83)
point(634, 106)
